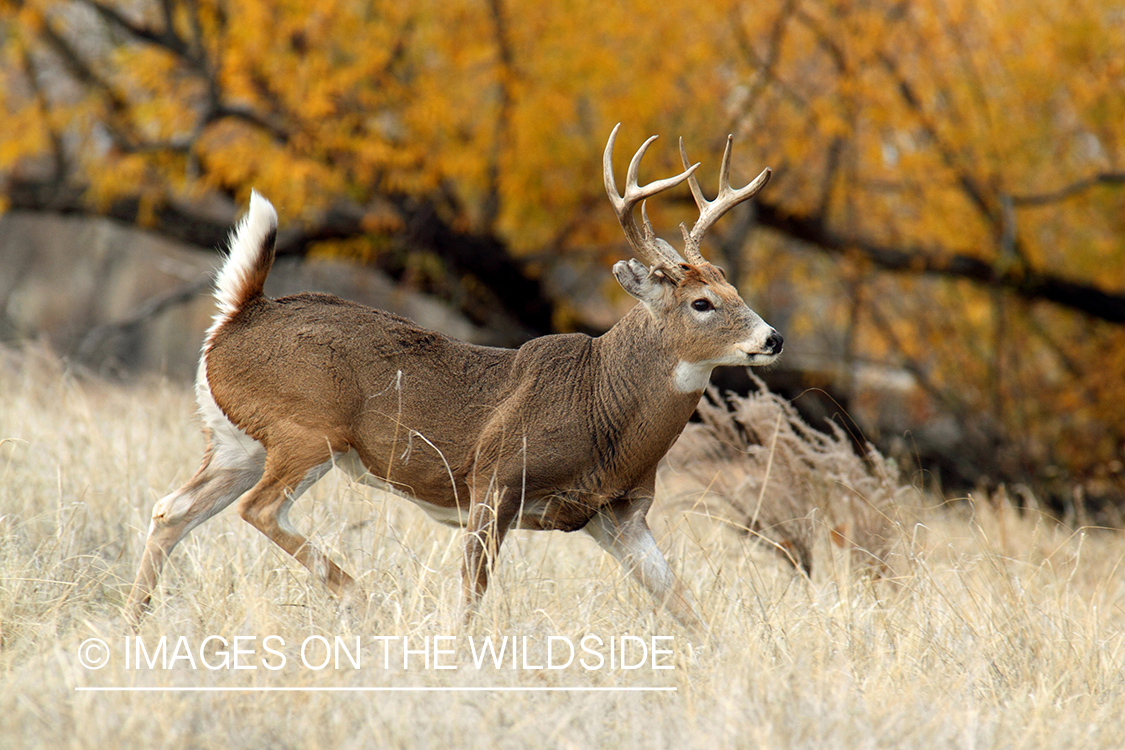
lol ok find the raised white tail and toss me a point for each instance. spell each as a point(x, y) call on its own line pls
point(248, 263)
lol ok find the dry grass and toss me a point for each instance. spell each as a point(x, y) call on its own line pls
point(759, 468)
point(997, 629)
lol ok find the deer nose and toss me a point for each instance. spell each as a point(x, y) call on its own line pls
point(774, 342)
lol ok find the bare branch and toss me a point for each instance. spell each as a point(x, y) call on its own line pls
point(193, 55)
point(513, 291)
point(1070, 191)
point(906, 92)
point(765, 68)
point(81, 69)
point(505, 73)
point(167, 38)
point(249, 116)
point(58, 149)
point(1027, 283)
point(98, 336)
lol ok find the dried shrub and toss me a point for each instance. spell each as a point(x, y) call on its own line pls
point(763, 470)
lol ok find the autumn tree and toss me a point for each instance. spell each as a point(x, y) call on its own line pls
point(946, 200)
point(975, 151)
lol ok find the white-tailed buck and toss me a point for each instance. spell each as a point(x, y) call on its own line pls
point(563, 433)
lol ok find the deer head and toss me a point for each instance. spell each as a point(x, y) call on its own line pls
point(704, 320)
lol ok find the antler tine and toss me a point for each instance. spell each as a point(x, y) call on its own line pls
point(693, 183)
point(712, 211)
point(646, 225)
point(644, 242)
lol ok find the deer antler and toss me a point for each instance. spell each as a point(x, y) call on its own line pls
point(653, 250)
point(712, 211)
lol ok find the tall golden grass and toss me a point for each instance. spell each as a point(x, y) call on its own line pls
point(987, 628)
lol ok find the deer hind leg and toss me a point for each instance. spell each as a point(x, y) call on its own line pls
point(227, 471)
point(266, 508)
point(621, 530)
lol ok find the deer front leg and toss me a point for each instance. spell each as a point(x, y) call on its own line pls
point(622, 531)
point(490, 517)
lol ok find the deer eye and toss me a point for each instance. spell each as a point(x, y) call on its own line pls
point(702, 305)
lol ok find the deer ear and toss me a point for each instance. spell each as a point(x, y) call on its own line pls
point(638, 280)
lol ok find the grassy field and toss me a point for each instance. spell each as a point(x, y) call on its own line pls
point(987, 628)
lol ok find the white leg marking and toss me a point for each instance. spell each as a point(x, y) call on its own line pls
point(632, 544)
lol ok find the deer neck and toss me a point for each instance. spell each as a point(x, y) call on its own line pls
point(641, 377)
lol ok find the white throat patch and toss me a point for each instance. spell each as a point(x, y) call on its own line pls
point(689, 377)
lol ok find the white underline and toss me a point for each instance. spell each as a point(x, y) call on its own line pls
point(470, 689)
